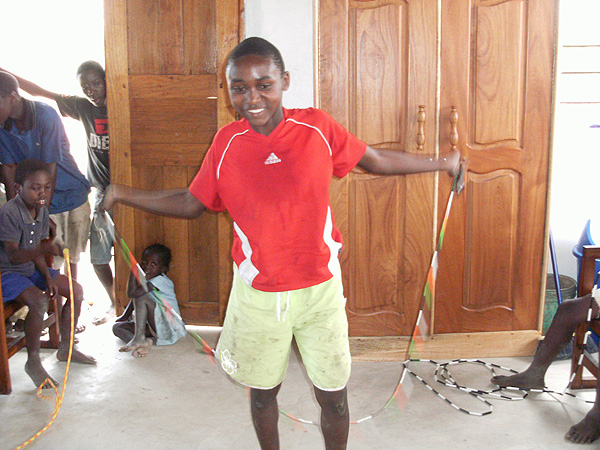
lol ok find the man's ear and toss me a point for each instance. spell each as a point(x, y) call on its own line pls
point(286, 81)
point(14, 99)
point(17, 188)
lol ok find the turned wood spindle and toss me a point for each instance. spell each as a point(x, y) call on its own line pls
point(421, 127)
point(453, 128)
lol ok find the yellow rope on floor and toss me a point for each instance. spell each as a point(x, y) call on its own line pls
point(59, 398)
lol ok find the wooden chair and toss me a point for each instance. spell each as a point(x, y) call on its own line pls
point(587, 278)
point(11, 345)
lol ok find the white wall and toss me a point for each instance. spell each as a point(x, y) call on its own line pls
point(287, 24)
point(45, 41)
point(575, 190)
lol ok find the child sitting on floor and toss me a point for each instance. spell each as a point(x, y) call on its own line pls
point(153, 322)
point(24, 241)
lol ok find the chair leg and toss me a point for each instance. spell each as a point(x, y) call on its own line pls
point(5, 385)
point(577, 357)
point(579, 361)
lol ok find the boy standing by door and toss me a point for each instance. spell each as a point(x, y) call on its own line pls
point(271, 171)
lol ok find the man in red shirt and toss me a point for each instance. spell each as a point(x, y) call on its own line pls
point(271, 171)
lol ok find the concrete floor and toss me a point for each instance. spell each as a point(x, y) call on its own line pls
point(176, 398)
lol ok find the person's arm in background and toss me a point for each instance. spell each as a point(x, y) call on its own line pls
point(32, 88)
point(8, 177)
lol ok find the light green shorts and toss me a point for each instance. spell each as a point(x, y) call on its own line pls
point(72, 231)
point(255, 344)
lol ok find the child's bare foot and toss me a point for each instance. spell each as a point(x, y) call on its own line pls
point(523, 380)
point(38, 375)
point(131, 345)
point(143, 350)
point(586, 431)
point(76, 355)
point(99, 320)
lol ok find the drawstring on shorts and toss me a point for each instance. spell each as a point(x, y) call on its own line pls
point(278, 306)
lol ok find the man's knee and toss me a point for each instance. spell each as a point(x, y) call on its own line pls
point(77, 292)
point(340, 407)
point(573, 310)
point(263, 398)
point(335, 402)
point(37, 301)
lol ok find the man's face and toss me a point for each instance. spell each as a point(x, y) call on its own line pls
point(256, 88)
point(7, 105)
point(93, 87)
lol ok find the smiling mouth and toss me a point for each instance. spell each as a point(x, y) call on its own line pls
point(256, 111)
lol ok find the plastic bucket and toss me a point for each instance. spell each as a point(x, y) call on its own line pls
point(568, 289)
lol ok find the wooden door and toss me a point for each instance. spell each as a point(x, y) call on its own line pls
point(377, 64)
point(497, 70)
point(378, 61)
point(166, 99)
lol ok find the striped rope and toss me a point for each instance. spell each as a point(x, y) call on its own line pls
point(59, 397)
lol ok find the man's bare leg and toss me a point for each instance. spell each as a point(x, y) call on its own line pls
point(265, 415)
point(65, 321)
point(569, 314)
point(588, 430)
point(105, 275)
point(37, 301)
point(335, 418)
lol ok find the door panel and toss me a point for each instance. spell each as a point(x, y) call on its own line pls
point(367, 53)
point(166, 100)
point(498, 73)
point(491, 60)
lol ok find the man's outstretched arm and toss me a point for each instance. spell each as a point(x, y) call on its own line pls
point(169, 202)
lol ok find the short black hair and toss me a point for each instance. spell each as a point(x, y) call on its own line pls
point(257, 46)
point(8, 84)
point(28, 167)
point(163, 252)
point(91, 66)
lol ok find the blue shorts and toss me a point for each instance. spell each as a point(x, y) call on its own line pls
point(13, 284)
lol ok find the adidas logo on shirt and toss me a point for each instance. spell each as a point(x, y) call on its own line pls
point(272, 159)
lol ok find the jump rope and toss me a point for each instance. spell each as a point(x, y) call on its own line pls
point(442, 372)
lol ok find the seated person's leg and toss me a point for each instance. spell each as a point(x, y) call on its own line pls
point(588, 430)
point(37, 301)
point(65, 322)
point(124, 331)
point(569, 314)
point(141, 341)
point(24, 290)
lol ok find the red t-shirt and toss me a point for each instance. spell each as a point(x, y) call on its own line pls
point(276, 189)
